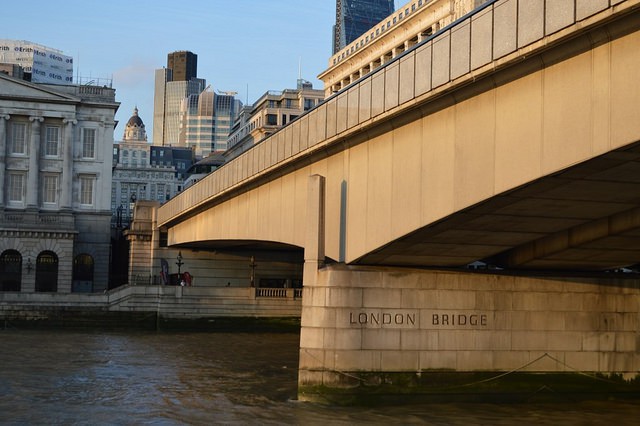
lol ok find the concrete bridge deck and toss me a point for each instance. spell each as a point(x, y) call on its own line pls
point(509, 137)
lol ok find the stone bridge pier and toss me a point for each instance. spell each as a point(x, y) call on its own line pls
point(442, 335)
point(374, 331)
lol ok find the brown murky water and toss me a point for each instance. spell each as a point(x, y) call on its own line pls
point(133, 378)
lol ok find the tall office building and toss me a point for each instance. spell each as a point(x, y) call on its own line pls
point(355, 17)
point(169, 94)
point(206, 121)
point(184, 65)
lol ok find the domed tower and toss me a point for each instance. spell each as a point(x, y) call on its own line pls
point(134, 130)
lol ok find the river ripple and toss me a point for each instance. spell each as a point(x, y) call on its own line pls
point(147, 378)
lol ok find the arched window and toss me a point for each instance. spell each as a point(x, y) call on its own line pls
point(10, 270)
point(47, 272)
point(83, 273)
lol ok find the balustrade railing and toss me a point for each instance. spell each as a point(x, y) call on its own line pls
point(279, 293)
point(39, 220)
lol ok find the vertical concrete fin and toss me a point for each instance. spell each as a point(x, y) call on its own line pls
point(314, 241)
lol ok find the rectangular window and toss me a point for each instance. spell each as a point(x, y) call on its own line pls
point(88, 143)
point(16, 187)
point(19, 138)
point(164, 238)
point(52, 141)
point(308, 104)
point(86, 190)
point(50, 187)
point(272, 119)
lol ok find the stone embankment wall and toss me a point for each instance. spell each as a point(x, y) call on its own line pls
point(145, 305)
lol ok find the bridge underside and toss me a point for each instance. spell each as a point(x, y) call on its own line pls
point(262, 250)
point(584, 218)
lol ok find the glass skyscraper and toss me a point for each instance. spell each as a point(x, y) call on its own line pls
point(206, 121)
point(169, 94)
point(355, 17)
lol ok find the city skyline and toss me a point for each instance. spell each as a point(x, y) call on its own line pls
point(249, 48)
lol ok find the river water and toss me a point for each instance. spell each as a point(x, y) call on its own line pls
point(180, 378)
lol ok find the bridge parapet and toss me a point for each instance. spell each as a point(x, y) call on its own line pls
point(493, 37)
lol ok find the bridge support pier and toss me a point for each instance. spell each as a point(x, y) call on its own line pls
point(441, 335)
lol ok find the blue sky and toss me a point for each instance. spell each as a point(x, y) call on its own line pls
point(257, 44)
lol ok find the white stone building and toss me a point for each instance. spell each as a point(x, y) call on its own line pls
point(135, 175)
point(55, 168)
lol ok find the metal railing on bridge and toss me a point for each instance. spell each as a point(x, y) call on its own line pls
point(491, 37)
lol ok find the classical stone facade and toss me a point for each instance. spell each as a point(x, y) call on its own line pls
point(412, 23)
point(134, 175)
point(55, 156)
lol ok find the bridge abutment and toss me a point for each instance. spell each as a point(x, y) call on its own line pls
point(442, 335)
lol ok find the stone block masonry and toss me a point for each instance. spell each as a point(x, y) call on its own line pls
point(370, 328)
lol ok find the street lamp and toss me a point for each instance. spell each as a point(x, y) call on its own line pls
point(119, 217)
point(253, 265)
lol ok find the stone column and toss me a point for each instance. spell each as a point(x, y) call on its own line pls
point(34, 163)
point(3, 151)
point(67, 165)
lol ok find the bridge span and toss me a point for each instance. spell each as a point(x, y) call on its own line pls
point(510, 137)
point(483, 143)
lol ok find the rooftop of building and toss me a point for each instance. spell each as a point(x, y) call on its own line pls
point(135, 119)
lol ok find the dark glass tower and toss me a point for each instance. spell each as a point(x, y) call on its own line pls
point(184, 65)
point(355, 17)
